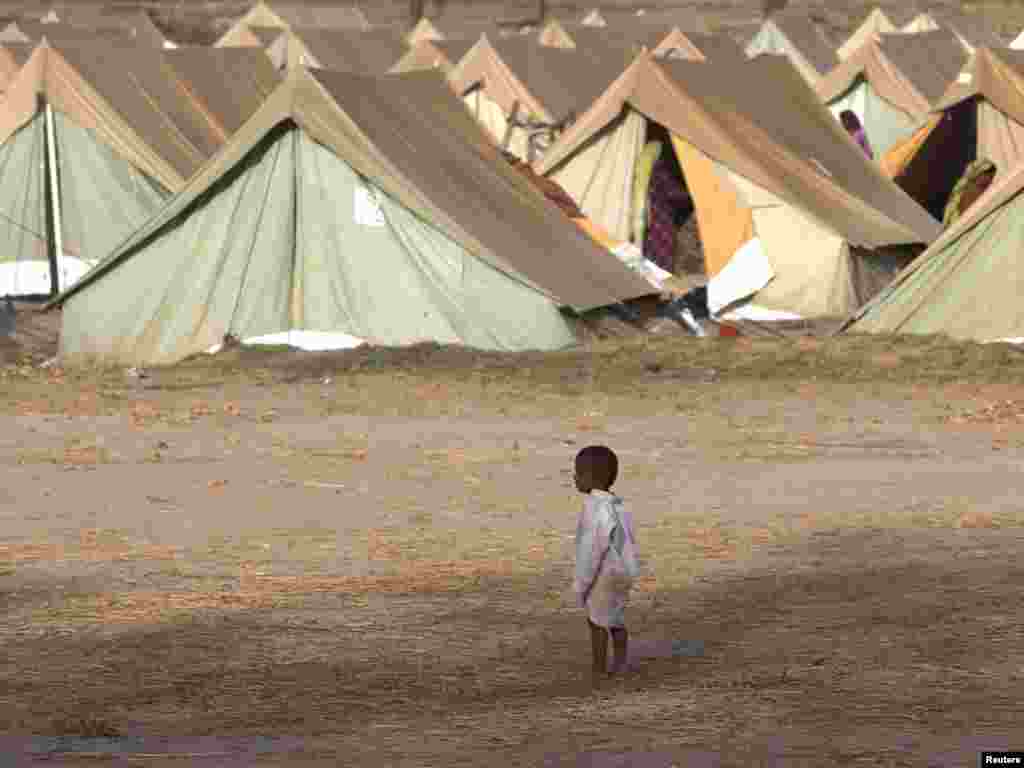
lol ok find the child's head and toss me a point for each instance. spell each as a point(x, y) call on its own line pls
point(597, 466)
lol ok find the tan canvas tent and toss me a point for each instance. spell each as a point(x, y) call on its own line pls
point(891, 83)
point(876, 23)
point(794, 35)
point(369, 207)
point(973, 30)
point(288, 17)
point(660, 40)
point(228, 84)
point(441, 55)
point(423, 31)
point(981, 115)
point(361, 52)
point(969, 282)
point(790, 212)
point(12, 57)
point(118, 130)
point(517, 88)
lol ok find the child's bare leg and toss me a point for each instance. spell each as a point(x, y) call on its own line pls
point(620, 640)
point(599, 646)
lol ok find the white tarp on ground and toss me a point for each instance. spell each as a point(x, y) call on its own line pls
point(311, 341)
point(32, 278)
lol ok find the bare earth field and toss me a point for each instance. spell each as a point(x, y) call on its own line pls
point(270, 558)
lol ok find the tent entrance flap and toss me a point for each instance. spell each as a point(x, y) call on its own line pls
point(941, 159)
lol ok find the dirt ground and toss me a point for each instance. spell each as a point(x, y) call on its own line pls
point(364, 558)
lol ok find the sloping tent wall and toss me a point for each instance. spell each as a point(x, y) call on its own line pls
point(968, 283)
point(131, 125)
point(12, 57)
point(772, 40)
point(883, 123)
point(749, 170)
point(889, 100)
point(289, 15)
point(983, 117)
point(228, 84)
point(554, 34)
point(594, 19)
point(360, 52)
point(110, 179)
point(876, 23)
point(543, 85)
point(461, 241)
point(424, 31)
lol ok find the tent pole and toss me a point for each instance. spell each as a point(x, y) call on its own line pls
point(56, 255)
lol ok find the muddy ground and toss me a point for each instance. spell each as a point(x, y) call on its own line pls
point(270, 558)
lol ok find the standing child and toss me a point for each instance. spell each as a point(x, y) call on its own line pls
point(606, 560)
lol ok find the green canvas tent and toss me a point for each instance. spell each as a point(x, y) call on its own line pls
point(969, 282)
point(94, 137)
point(371, 208)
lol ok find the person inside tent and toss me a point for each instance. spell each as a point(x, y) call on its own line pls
point(853, 127)
point(668, 204)
point(976, 179)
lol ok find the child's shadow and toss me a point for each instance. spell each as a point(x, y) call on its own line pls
point(641, 650)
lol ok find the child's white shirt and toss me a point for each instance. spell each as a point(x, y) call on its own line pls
point(604, 542)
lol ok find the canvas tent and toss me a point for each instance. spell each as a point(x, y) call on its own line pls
point(12, 57)
point(980, 115)
point(517, 88)
point(659, 40)
point(969, 282)
point(442, 55)
point(593, 18)
point(892, 84)
point(972, 30)
point(94, 136)
point(790, 212)
point(795, 35)
point(288, 16)
point(361, 52)
point(229, 84)
point(373, 208)
point(876, 23)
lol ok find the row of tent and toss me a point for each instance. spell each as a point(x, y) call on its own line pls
point(795, 221)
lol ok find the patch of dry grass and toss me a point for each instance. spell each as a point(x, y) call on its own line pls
point(94, 545)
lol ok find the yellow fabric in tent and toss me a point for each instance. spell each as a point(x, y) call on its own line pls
point(597, 233)
point(895, 161)
point(724, 222)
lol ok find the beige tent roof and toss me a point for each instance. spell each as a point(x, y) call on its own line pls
point(911, 72)
point(287, 16)
point(876, 23)
point(12, 57)
point(973, 29)
point(730, 112)
point(549, 82)
point(132, 98)
point(633, 36)
point(266, 35)
point(420, 146)
point(361, 52)
point(808, 38)
point(996, 76)
point(229, 83)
